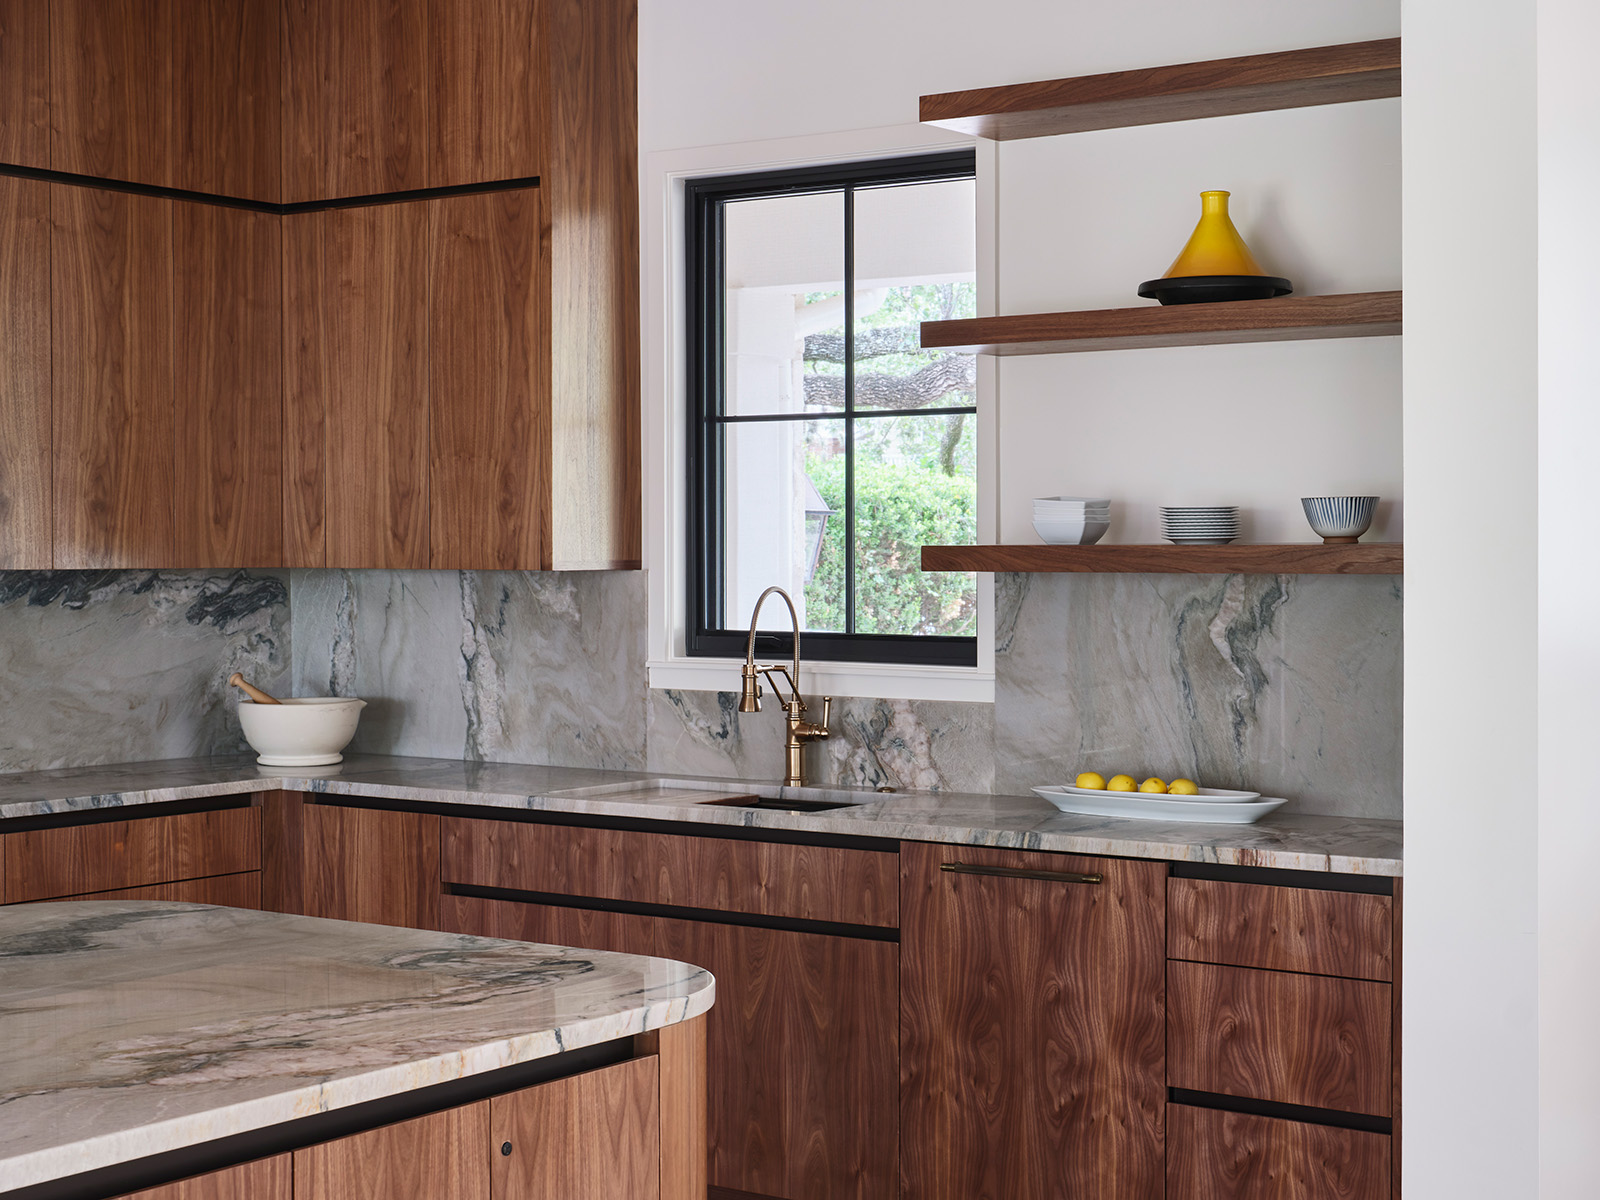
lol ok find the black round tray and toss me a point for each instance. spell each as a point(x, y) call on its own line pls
point(1207, 289)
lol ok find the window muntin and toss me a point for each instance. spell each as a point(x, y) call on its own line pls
point(826, 447)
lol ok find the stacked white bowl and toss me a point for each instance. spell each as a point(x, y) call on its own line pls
point(1071, 520)
point(1200, 525)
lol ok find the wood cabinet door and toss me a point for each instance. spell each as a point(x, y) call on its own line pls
point(24, 84)
point(489, 386)
point(443, 1156)
point(800, 1059)
point(486, 97)
point(264, 1179)
point(227, 99)
point(25, 500)
point(111, 358)
point(367, 864)
point(1214, 1155)
point(227, 482)
point(595, 1136)
point(356, 387)
point(1031, 1027)
point(111, 88)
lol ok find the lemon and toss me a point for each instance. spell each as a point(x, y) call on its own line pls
point(1092, 781)
point(1183, 787)
point(1121, 783)
point(1153, 785)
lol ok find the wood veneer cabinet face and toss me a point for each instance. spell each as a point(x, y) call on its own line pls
point(227, 98)
point(443, 1156)
point(486, 100)
point(111, 88)
point(227, 482)
point(1213, 1155)
point(1032, 1027)
point(25, 500)
point(365, 864)
point(25, 83)
point(264, 1179)
point(111, 356)
point(1281, 928)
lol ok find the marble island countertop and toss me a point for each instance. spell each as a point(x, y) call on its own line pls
point(134, 1028)
point(1308, 843)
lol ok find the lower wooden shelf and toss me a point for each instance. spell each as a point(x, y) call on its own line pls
point(1375, 558)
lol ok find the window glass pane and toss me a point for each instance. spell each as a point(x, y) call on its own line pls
point(784, 264)
point(915, 261)
point(916, 485)
point(778, 523)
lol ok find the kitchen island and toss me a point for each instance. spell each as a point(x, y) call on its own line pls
point(150, 1042)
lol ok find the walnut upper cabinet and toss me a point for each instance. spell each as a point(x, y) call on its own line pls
point(25, 501)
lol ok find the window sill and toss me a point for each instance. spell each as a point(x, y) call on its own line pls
point(882, 681)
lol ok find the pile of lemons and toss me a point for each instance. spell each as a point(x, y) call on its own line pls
point(1094, 781)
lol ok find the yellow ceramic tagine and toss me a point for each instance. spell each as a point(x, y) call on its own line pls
point(1214, 264)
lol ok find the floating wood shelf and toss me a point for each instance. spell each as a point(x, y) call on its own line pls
point(1309, 558)
point(1286, 319)
point(1153, 95)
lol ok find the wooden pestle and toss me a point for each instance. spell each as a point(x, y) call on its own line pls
point(254, 693)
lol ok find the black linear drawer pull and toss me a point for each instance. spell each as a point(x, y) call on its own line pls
point(959, 868)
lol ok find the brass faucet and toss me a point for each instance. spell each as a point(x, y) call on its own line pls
point(801, 731)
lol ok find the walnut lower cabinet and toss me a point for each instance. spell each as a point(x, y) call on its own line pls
point(1032, 1026)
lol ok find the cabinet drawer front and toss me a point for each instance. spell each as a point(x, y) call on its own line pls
point(72, 860)
point(817, 883)
point(1281, 928)
point(1234, 1156)
point(1297, 1039)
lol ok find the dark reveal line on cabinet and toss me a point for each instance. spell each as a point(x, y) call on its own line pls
point(126, 812)
point(1320, 881)
point(265, 206)
point(737, 833)
point(1284, 1112)
point(714, 916)
point(158, 1169)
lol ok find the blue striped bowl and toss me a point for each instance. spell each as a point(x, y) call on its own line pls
point(1339, 519)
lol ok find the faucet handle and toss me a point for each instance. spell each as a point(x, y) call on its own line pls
point(827, 710)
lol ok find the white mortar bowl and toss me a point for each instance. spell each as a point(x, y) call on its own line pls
point(308, 732)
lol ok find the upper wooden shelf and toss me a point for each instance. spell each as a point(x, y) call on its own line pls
point(1307, 558)
point(1286, 319)
point(1153, 95)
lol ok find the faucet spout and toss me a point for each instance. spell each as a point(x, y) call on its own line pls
point(800, 731)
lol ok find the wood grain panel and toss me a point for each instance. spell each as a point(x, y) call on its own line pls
point(73, 859)
point(25, 83)
point(242, 890)
point(1285, 319)
point(489, 392)
point(801, 1052)
point(365, 864)
point(487, 95)
point(684, 1159)
point(1146, 96)
point(618, 933)
point(227, 100)
point(227, 481)
point(375, 317)
point(1302, 558)
point(25, 451)
point(1031, 1026)
point(283, 868)
point(820, 883)
point(1280, 928)
point(595, 1136)
point(307, 380)
point(443, 1156)
point(1215, 1155)
point(264, 1179)
point(111, 362)
point(1298, 1039)
point(1395, 1060)
point(591, 183)
point(355, 98)
point(111, 87)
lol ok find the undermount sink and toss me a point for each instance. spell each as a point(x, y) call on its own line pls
point(780, 805)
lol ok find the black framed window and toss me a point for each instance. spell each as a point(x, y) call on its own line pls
point(826, 447)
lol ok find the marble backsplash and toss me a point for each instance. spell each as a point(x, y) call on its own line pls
point(120, 666)
point(1290, 684)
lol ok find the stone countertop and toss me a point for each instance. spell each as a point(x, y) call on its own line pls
point(228, 1020)
point(1308, 843)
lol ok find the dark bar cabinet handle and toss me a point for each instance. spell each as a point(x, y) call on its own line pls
point(960, 868)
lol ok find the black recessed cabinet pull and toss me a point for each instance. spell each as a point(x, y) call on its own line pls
point(960, 868)
point(505, 1149)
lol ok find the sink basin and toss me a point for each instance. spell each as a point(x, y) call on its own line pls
point(765, 805)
